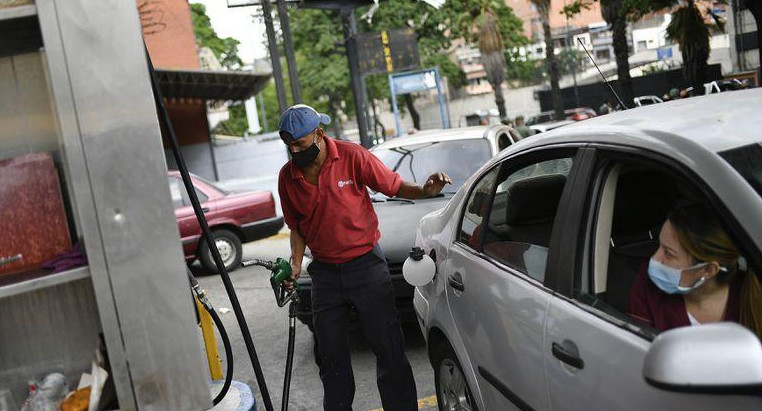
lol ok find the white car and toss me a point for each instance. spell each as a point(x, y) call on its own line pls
point(646, 101)
point(525, 306)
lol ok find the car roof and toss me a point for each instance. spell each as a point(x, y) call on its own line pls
point(429, 136)
point(718, 122)
point(552, 124)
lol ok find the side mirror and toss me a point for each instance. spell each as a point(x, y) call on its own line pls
point(721, 358)
point(418, 269)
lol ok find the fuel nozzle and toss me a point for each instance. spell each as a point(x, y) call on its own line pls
point(280, 271)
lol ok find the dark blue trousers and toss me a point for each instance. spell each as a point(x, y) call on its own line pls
point(363, 283)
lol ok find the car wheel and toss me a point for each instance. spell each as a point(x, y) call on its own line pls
point(453, 393)
point(230, 249)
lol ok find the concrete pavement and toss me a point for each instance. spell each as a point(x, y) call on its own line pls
point(269, 327)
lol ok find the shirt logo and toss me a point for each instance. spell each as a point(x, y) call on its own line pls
point(343, 184)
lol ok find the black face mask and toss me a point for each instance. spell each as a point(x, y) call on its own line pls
point(305, 157)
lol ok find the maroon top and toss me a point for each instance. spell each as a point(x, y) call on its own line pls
point(657, 309)
point(336, 216)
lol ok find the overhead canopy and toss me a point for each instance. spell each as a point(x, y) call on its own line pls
point(211, 85)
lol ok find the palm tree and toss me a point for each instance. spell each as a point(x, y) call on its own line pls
point(492, 57)
point(689, 29)
point(543, 8)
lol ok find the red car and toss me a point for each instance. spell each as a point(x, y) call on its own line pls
point(234, 218)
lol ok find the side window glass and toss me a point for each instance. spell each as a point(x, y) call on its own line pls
point(522, 214)
point(177, 192)
point(201, 197)
point(633, 203)
point(474, 216)
point(180, 195)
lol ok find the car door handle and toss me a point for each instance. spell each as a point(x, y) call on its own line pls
point(568, 353)
point(205, 210)
point(456, 281)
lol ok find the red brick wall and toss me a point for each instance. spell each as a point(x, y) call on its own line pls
point(168, 32)
point(523, 10)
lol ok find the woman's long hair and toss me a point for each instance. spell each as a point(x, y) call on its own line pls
point(702, 236)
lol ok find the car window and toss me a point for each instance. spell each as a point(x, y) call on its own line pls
point(522, 213)
point(176, 192)
point(473, 222)
point(180, 195)
point(633, 201)
point(458, 158)
point(210, 184)
point(747, 161)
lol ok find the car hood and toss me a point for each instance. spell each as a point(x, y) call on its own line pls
point(398, 222)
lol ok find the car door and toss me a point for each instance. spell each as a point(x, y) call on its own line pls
point(496, 270)
point(594, 352)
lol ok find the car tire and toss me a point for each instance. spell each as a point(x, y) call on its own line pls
point(230, 249)
point(453, 392)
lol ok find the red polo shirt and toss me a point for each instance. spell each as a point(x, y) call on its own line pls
point(336, 216)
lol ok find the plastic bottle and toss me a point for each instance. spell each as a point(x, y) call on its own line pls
point(48, 395)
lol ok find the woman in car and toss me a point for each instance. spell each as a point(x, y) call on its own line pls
point(696, 276)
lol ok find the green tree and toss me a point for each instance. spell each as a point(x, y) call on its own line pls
point(491, 50)
point(616, 13)
point(236, 124)
point(322, 63)
point(493, 26)
point(433, 39)
point(225, 49)
point(691, 28)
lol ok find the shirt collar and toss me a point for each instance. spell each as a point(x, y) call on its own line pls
point(333, 154)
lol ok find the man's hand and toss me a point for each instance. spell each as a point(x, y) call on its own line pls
point(296, 270)
point(435, 183)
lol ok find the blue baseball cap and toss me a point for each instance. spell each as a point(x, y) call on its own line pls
point(299, 120)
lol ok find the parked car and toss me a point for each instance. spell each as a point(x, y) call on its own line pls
point(234, 217)
point(575, 114)
point(717, 86)
point(720, 86)
point(647, 100)
point(536, 254)
point(458, 152)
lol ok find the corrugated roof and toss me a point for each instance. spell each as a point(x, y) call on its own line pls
point(211, 85)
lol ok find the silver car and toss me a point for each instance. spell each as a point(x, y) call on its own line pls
point(536, 254)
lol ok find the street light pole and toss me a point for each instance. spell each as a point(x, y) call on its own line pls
point(272, 45)
point(349, 25)
point(288, 46)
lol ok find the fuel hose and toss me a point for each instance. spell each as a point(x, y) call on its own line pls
point(201, 294)
point(207, 234)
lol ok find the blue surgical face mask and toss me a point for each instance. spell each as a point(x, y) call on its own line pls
point(668, 278)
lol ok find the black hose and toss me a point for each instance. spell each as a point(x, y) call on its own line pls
point(207, 234)
point(201, 294)
point(289, 355)
point(228, 355)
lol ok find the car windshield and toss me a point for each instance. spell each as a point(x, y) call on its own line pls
point(458, 158)
point(747, 160)
point(213, 185)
